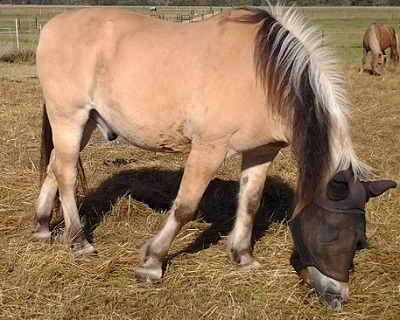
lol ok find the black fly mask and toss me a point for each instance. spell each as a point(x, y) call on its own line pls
point(327, 236)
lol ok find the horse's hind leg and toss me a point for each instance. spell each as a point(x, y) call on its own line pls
point(68, 141)
point(70, 131)
point(201, 165)
point(48, 192)
point(394, 56)
point(44, 205)
point(254, 171)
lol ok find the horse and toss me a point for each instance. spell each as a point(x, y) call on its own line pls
point(377, 38)
point(247, 81)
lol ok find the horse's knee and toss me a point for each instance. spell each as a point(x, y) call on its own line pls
point(184, 214)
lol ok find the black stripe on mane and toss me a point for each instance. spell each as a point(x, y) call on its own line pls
point(293, 100)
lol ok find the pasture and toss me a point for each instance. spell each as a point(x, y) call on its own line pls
point(131, 190)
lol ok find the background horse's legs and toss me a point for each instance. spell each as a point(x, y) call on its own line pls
point(394, 56)
point(383, 60)
point(364, 59)
point(254, 171)
point(201, 165)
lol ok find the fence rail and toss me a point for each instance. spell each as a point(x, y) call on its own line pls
point(23, 32)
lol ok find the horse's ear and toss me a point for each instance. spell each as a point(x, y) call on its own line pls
point(338, 187)
point(376, 188)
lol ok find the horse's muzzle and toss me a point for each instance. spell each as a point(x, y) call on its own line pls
point(332, 293)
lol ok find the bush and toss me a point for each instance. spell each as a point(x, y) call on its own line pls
point(12, 55)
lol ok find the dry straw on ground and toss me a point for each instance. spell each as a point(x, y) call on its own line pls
point(132, 190)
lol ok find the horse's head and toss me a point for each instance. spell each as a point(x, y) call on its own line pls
point(377, 62)
point(327, 236)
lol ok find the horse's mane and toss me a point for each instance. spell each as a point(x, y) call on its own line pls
point(303, 83)
point(373, 40)
point(373, 36)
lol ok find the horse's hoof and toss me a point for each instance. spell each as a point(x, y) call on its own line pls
point(41, 237)
point(87, 250)
point(250, 265)
point(148, 276)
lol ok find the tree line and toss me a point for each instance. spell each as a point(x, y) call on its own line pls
point(225, 3)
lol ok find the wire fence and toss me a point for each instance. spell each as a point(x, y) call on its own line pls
point(21, 29)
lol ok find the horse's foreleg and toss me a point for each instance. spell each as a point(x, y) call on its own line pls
point(201, 165)
point(382, 60)
point(254, 171)
point(364, 59)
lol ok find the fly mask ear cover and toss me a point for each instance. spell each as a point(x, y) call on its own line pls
point(316, 231)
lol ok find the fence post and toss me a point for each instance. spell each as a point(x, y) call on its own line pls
point(17, 33)
point(322, 37)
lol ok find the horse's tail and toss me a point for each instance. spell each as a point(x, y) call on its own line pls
point(303, 84)
point(46, 149)
point(46, 144)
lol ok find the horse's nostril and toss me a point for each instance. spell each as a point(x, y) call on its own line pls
point(335, 304)
point(333, 301)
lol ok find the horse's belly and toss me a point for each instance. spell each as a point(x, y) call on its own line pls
point(149, 131)
point(171, 141)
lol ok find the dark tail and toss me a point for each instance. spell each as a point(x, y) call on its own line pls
point(46, 144)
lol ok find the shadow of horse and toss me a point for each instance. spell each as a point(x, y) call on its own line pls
point(157, 189)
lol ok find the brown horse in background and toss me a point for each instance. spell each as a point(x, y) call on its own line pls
point(377, 39)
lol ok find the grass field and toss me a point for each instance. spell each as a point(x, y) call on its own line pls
point(132, 190)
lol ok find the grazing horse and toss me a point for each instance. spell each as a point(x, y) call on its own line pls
point(248, 81)
point(377, 39)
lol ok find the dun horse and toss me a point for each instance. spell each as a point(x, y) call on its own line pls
point(377, 39)
point(247, 81)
